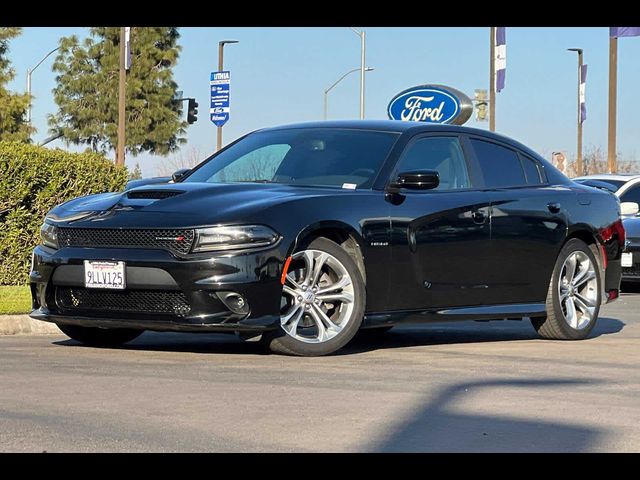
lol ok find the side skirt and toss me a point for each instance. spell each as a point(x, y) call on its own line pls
point(483, 312)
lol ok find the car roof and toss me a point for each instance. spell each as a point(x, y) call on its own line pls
point(388, 125)
point(625, 177)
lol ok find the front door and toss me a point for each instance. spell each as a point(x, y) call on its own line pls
point(440, 238)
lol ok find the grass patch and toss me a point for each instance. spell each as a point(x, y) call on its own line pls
point(15, 300)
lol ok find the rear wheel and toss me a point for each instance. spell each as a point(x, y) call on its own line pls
point(574, 296)
point(100, 337)
point(323, 302)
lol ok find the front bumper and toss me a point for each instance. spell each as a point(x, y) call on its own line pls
point(154, 280)
point(632, 273)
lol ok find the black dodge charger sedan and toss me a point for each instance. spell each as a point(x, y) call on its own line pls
point(306, 233)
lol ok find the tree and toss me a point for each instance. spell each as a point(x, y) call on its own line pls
point(136, 173)
point(13, 106)
point(188, 159)
point(87, 91)
point(594, 161)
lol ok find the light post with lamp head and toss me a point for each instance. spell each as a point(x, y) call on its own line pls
point(327, 90)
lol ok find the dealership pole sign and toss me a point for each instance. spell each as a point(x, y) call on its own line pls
point(431, 104)
point(219, 109)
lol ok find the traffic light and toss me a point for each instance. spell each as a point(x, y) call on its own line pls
point(192, 111)
point(481, 104)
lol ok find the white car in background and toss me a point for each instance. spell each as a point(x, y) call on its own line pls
point(627, 189)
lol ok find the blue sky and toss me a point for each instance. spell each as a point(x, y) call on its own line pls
point(278, 76)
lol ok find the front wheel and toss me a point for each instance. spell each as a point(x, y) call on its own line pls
point(323, 301)
point(574, 296)
point(100, 337)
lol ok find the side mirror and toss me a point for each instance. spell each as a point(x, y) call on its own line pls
point(629, 208)
point(417, 180)
point(178, 174)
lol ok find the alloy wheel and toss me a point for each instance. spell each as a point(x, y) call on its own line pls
point(578, 290)
point(317, 297)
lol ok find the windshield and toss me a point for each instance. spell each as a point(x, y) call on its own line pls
point(613, 185)
point(346, 158)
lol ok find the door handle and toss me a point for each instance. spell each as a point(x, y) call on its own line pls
point(478, 216)
point(553, 207)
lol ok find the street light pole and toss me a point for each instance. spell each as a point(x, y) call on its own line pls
point(362, 35)
point(492, 80)
point(221, 45)
point(327, 90)
point(29, 72)
point(579, 167)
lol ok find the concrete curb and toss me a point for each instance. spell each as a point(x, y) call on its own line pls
point(25, 325)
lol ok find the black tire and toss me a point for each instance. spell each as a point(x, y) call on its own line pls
point(279, 341)
point(100, 337)
point(554, 326)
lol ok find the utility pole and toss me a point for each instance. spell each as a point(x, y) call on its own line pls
point(492, 80)
point(121, 101)
point(613, 92)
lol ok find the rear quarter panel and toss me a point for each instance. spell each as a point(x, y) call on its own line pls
point(598, 212)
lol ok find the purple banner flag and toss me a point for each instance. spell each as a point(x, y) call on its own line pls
point(583, 105)
point(501, 57)
point(624, 31)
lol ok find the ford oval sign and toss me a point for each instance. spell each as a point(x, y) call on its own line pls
point(431, 104)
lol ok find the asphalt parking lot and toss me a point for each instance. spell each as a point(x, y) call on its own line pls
point(449, 387)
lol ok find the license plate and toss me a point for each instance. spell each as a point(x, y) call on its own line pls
point(104, 275)
point(627, 259)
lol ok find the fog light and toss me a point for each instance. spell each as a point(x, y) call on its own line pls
point(234, 302)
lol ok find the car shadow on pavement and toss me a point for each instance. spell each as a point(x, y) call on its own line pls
point(207, 343)
point(399, 337)
point(460, 332)
point(442, 426)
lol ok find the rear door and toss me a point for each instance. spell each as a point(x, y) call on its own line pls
point(528, 222)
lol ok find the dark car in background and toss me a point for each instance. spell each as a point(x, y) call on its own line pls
point(627, 189)
point(306, 233)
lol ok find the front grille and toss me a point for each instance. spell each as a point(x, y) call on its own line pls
point(176, 241)
point(154, 194)
point(633, 271)
point(126, 301)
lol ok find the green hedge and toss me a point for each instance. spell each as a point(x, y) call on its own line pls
point(32, 181)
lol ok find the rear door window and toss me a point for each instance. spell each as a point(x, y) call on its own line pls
point(531, 170)
point(631, 195)
point(500, 165)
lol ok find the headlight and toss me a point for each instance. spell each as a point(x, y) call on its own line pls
point(49, 235)
point(227, 238)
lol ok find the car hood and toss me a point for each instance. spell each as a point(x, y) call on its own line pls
point(631, 227)
point(182, 204)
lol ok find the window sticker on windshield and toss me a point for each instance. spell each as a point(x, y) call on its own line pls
point(350, 186)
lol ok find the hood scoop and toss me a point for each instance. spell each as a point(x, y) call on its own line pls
point(153, 194)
